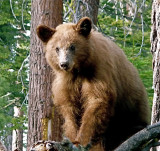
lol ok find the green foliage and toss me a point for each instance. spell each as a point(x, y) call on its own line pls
point(14, 49)
point(18, 123)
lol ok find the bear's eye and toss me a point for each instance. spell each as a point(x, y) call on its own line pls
point(57, 50)
point(72, 48)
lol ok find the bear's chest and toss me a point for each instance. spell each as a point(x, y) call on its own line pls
point(70, 89)
point(74, 88)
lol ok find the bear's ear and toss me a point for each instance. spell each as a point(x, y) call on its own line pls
point(84, 26)
point(45, 33)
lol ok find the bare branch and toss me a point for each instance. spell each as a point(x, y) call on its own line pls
point(141, 139)
point(20, 72)
point(23, 16)
point(132, 18)
point(11, 102)
point(6, 95)
point(13, 11)
point(142, 28)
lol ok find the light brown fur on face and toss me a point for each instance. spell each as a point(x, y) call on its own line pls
point(97, 90)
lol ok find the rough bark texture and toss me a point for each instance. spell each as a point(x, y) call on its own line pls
point(86, 8)
point(2, 147)
point(8, 141)
point(17, 135)
point(155, 49)
point(47, 12)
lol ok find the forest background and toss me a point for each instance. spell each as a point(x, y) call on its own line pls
point(126, 22)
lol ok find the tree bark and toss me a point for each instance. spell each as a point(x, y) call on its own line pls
point(2, 147)
point(17, 135)
point(8, 141)
point(40, 106)
point(155, 49)
point(86, 8)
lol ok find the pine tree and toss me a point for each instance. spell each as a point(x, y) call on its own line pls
point(43, 120)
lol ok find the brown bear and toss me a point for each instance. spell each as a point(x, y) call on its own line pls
point(96, 89)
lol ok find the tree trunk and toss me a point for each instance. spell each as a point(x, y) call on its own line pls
point(41, 123)
point(2, 147)
point(155, 49)
point(86, 8)
point(8, 140)
point(17, 135)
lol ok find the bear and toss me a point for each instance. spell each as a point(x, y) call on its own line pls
point(96, 89)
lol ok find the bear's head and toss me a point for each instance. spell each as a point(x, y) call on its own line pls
point(67, 46)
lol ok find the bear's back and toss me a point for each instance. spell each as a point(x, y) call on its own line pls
point(127, 83)
point(112, 60)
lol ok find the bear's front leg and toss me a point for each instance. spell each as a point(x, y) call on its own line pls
point(66, 108)
point(70, 126)
point(94, 122)
point(99, 107)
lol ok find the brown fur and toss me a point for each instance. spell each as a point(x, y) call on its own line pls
point(101, 96)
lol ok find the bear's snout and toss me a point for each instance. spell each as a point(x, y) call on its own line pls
point(64, 65)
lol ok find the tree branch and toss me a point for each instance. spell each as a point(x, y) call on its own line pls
point(65, 145)
point(13, 11)
point(143, 140)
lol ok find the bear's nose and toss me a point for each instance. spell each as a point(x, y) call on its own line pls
point(64, 65)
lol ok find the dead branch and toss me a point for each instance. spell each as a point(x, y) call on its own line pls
point(65, 145)
point(144, 140)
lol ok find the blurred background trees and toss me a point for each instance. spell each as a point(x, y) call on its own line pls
point(127, 22)
point(14, 50)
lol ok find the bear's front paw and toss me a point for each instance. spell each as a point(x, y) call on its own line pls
point(76, 143)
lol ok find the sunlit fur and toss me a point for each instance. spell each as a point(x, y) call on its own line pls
point(101, 96)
